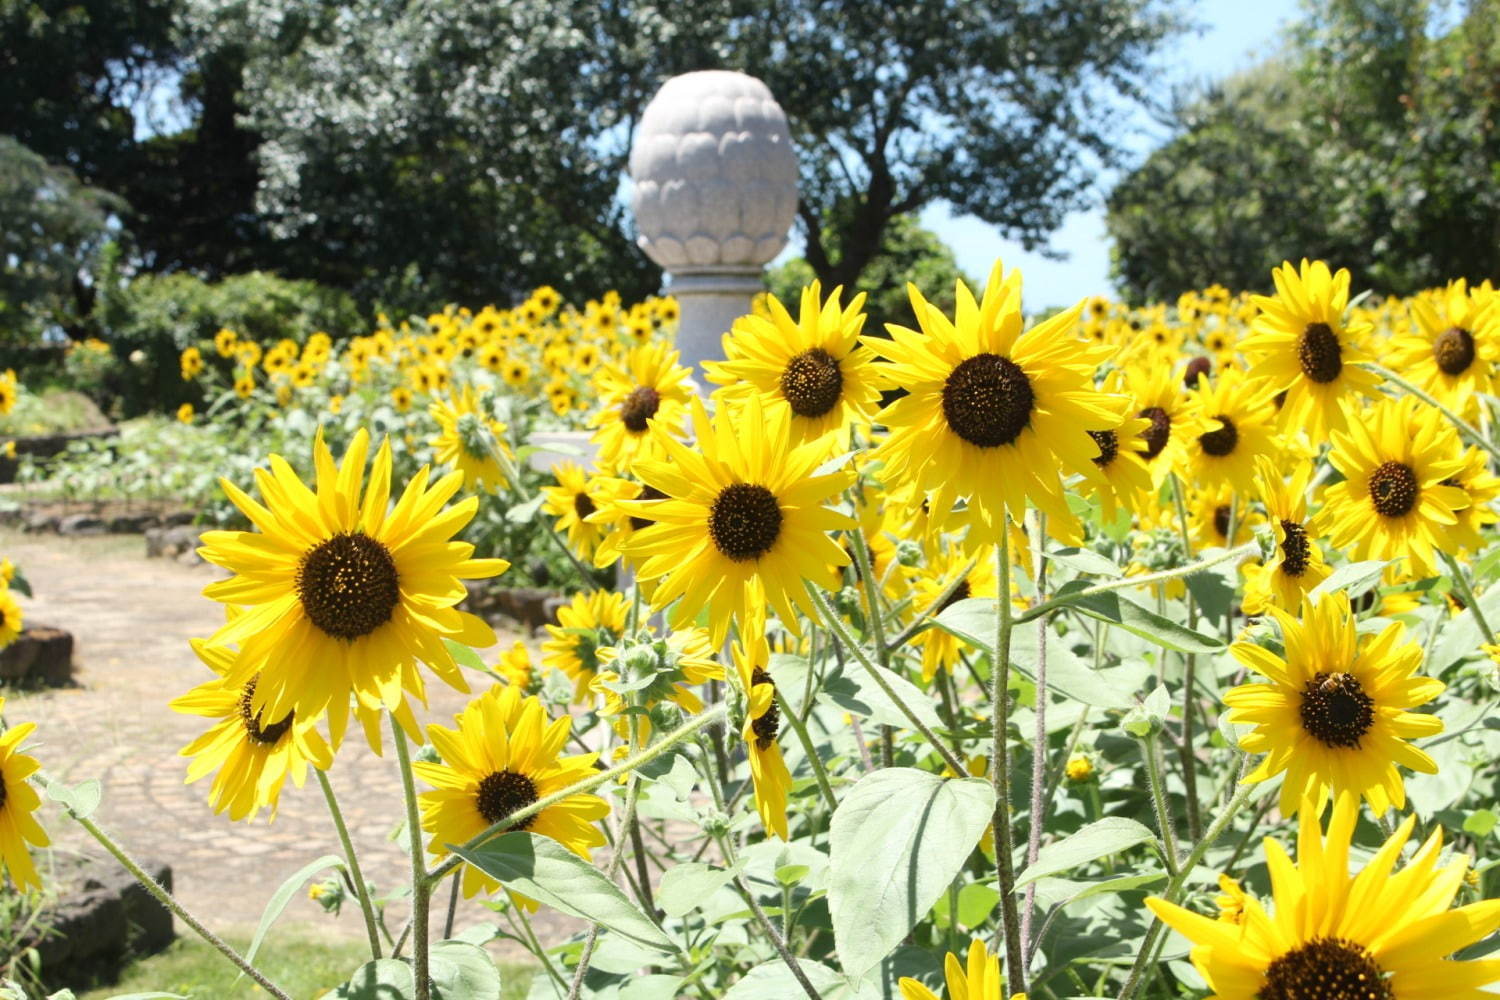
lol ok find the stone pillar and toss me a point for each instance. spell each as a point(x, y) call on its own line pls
point(715, 196)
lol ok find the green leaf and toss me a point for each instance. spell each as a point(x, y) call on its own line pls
point(1086, 561)
point(1354, 578)
point(542, 869)
point(80, 799)
point(1110, 835)
point(463, 971)
point(19, 582)
point(1214, 594)
point(972, 620)
point(1480, 823)
point(1052, 892)
point(522, 513)
point(656, 987)
point(976, 901)
point(791, 874)
point(898, 838)
point(1111, 607)
point(687, 886)
point(283, 895)
point(466, 657)
point(382, 979)
point(774, 979)
point(854, 691)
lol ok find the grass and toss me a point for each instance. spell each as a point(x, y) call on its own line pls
point(304, 961)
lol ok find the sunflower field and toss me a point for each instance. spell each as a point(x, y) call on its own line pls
point(1135, 653)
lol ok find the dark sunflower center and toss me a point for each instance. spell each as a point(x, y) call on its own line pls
point(2, 791)
point(1197, 368)
point(745, 521)
point(960, 593)
point(647, 493)
point(1319, 353)
point(1336, 711)
point(987, 400)
point(582, 505)
point(1327, 968)
point(1393, 489)
point(767, 726)
point(1109, 447)
point(1453, 350)
point(502, 793)
point(640, 406)
point(268, 735)
point(812, 383)
point(1221, 442)
point(1294, 550)
point(348, 585)
point(1221, 520)
point(1160, 431)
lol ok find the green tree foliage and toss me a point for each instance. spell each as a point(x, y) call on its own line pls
point(1371, 140)
point(908, 253)
point(53, 227)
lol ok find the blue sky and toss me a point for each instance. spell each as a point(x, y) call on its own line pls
point(1236, 35)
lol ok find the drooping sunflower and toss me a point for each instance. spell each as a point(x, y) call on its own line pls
point(649, 390)
point(1301, 344)
point(1237, 415)
point(343, 596)
point(1298, 566)
point(18, 800)
point(469, 439)
point(1453, 351)
point(977, 979)
point(253, 757)
point(11, 618)
point(992, 414)
point(768, 770)
point(1394, 502)
point(1171, 423)
point(587, 624)
point(744, 520)
point(1334, 714)
point(812, 366)
point(1378, 935)
point(572, 502)
point(505, 755)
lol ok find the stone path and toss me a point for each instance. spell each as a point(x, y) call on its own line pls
point(131, 619)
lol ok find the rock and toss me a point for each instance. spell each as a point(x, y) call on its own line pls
point(155, 540)
point(190, 557)
point(81, 524)
point(103, 919)
point(130, 524)
point(39, 521)
point(41, 655)
point(179, 517)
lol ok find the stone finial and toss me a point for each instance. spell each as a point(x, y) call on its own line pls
point(715, 174)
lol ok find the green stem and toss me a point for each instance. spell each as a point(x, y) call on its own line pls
point(1190, 665)
point(1462, 579)
point(923, 618)
point(1127, 582)
point(1000, 761)
point(166, 899)
point(800, 728)
point(1037, 804)
point(701, 721)
point(1159, 801)
point(872, 595)
point(1468, 429)
point(836, 626)
point(355, 873)
point(768, 928)
point(1174, 887)
point(421, 889)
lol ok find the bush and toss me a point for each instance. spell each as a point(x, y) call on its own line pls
point(161, 315)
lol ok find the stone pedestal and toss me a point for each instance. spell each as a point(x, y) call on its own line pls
point(710, 301)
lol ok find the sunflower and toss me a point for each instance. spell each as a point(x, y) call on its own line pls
point(515, 665)
point(1171, 424)
point(616, 524)
point(504, 756)
point(1118, 474)
point(812, 366)
point(991, 413)
point(1301, 344)
point(1298, 566)
point(1452, 352)
point(940, 649)
point(978, 979)
point(572, 502)
point(1378, 935)
point(585, 626)
point(191, 363)
point(1334, 714)
point(1394, 502)
point(18, 800)
point(253, 757)
point(401, 398)
point(470, 440)
point(768, 770)
point(343, 596)
point(1237, 415)
point(11, 618)
point(1210, 513)
point(649, 390)
point(244, 385)
point(225, 342)
point(744, 513)
point(1481, 488)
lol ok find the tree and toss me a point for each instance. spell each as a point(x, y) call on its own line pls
point(908, 253)
point(54, 228)
point(1371, 141)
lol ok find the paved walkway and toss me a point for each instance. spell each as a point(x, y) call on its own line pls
point(131, 618)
